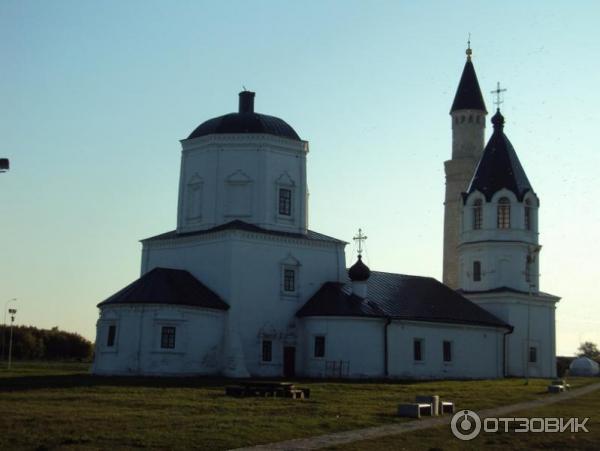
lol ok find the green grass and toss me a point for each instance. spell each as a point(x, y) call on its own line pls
point(440, 438)
point(58, 406)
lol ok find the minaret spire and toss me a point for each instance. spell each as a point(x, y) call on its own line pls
point(469, 52)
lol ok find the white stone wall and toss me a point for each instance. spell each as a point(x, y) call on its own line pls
point(517, 310)
point(228, 177)
point(137, 345)
point(245, 269)
point(476, 351)
point(501, 252)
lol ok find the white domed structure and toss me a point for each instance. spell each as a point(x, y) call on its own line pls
point(584, 366)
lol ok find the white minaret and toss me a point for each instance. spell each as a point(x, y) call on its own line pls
point(468, 114)
point(499, 256)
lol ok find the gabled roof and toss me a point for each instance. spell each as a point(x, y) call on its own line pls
point(468, 95)
point(499, 166)
point(241, 225)
point(399, 296)
point(167, 286)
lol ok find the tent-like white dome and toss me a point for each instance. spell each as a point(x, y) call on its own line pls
point(583, 366)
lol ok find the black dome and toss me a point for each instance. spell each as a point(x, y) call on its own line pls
point(246, 121)
point(359, 272)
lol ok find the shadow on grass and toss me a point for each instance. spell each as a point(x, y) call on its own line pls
point(21, 383)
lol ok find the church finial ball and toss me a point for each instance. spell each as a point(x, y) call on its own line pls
point(498, 120)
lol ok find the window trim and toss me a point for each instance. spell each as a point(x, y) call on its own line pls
point(292, 280)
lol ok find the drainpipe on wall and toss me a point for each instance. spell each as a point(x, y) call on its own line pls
point(388, 321)
point(510, 331)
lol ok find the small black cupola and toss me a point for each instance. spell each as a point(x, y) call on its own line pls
point(359, 272)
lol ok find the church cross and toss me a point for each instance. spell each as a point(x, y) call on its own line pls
point(498, 91)
point(360, 238)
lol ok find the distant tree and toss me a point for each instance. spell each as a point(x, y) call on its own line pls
point(589, 349)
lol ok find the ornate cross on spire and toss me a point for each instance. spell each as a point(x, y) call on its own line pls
point(469, 52)
point(498, 91)
point(360, 238)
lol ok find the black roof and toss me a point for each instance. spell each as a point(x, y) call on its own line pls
point(246, 121)
point(499, 166)
point(468, 95)
point(399, 296)
point(241, 225)
point(167, 286)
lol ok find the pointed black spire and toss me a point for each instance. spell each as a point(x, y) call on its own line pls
point(499, 166)
point(468, 95)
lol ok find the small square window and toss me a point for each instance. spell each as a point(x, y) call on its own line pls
point(267, 351)
point(289, 280)
point(319, 346)
point(418, 350)
point(447, 351)
point(112, 332)
point(285, 202)
point(167, 338)
point(532, 354)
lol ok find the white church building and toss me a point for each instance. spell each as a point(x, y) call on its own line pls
point(243, 288)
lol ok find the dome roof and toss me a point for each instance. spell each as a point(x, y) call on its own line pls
point(246, 121)
point(584, 366)
point(359, 272)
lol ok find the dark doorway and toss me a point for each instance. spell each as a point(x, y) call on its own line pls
point(289, 361)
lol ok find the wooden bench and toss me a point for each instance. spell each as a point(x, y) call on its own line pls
point(267, 389)
point(414, 410)
point(556, 388)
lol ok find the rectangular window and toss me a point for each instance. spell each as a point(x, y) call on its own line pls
point(418, 350)
point(289, 280)
point(477, 217)
point(285, 201)
point(167, 338)
point(447, 351)
point(477, 271)
point(320, 346)
point(504, 213)
point(267, 351)
point(112, 332)
point(527, 217)
point(532, 354)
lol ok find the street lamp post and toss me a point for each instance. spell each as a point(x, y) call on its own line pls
point(12, 312)
point(4, 327)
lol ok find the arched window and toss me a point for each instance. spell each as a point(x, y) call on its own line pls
point(504, 213)
point(477, 214)
point(527, 214)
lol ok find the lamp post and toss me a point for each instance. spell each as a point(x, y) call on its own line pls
point(12, 312)
point(4, 326)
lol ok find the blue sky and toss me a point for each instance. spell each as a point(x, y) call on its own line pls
point(94, 97)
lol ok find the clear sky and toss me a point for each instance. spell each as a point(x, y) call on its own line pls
point(94, 97)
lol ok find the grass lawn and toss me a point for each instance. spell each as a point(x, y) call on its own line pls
point(51, 406)
point(587, 406)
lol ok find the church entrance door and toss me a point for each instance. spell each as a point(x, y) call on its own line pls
point(289, 361)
